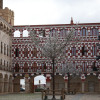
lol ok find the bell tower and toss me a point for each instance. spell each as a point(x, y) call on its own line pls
point(1, 4)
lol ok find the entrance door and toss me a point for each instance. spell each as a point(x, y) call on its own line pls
point(91, 86)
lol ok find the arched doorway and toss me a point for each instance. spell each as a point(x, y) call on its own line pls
point(92, 84)
point(74, 84)
point(59, 82)
point(39, 82)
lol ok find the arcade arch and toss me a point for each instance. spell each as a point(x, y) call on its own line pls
point(59, 82)
point(92, 84)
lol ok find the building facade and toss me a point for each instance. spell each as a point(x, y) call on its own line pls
point(6, 76)
point(28, 61)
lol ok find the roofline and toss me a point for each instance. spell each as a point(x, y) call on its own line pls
point(91, 24)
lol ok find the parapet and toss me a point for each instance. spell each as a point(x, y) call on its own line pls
point(8, 15)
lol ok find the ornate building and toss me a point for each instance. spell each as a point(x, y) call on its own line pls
point(28, 61)
point(6, 76)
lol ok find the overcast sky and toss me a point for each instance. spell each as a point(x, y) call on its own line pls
point(33, 12)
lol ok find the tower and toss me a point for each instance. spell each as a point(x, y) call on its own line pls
point(6, 13)
point(1, 4)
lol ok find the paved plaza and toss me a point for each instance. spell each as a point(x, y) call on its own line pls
point(37, 96)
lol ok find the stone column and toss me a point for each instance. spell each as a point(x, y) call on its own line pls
point(66, 83)
point(10, 85)
point(1, 85)
point(48, 81)
point(6, 84)
point(16, 84)
point(27, 84)
point(21, 33)
point(83, 84)
point(32, 88)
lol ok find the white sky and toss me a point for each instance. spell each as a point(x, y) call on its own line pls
point(33, 12)
point(36, 80)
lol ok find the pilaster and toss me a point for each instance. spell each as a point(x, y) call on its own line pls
point(48, 81)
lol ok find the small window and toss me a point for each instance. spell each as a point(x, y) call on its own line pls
point(17, 67)
point(25, 67)
point(53, 32)
point(1, 46)
point(4, 62)
point(84, 51)
point(73, 51)
point(42, 33)
point(7, 50)
point(94, 32)
point(26, 52)
point(34, 52)
point(17, 52)
point(25, 33)
point(4, 49)
point(76, 32)
point(1, 62)
point(62, 32)
point(83, 32)
point(84, 66)
point(94, 50)
point(94, 67)
point(7, 63)
point(10, 51)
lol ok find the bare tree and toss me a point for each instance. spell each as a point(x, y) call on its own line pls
point(53, 47)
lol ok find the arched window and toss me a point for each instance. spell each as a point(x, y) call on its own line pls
point(62, 32)
point(17, 52)
point(73, 51)
point(25, 33)
point(34, 52)
point(25, 52)
point(35, 66)
point(94, 50)
point(1, 47)
point(84, 68)
point(53, 32)
point(83, 32)
point(16, 67)
point(76, 32)
point(94, 32)
point(42, 33)
point(25, 67)
point(17, 33)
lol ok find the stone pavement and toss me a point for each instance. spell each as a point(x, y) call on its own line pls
point(37, 96)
